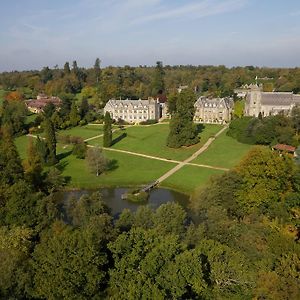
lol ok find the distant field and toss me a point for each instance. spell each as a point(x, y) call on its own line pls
point(152, 141)
point(190, 178)
point(224, 152)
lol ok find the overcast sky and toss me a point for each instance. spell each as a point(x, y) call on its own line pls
point(37, 33)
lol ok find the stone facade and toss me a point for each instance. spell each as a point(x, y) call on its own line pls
point(133, 111)
point(269, 103)
point(216, 110)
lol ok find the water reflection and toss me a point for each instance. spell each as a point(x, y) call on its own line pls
point(112, 198)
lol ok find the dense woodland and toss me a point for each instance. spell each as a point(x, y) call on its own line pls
point(242, 242)
point(99, 84)
point(238, 240)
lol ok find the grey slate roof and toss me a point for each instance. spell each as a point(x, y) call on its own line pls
point(130, 103)
point(214, 102)
point(273, 99)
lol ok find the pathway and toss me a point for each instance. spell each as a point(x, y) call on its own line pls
point(192, 157)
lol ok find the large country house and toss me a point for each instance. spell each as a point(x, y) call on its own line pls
point(216, 110)
point(134, 111)
point(269, 103)
point(37, 105)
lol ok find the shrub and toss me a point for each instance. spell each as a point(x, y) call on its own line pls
point(79, 150)
point(148, 122)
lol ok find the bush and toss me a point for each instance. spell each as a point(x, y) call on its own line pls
point(79, 150)
point(148, 122)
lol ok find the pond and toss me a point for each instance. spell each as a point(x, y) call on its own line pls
point(112, 198)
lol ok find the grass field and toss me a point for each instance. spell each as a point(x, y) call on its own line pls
point(224, 152)
point(130, 170)
point(125, 171)
point(85, 132)
point(189, 178)
point(151, 140)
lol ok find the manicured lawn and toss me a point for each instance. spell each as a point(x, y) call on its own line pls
point(224, 152)
point(189, 178)
point(21, 144)
point(151, 140)
point(85, 132)
point(126, 170)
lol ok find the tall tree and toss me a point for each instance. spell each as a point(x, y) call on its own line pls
point(107, 130)
point(97, 70)
point(67, 68)
point(33, 165)
point(96, 161)
point(50, 138)
point(74, 115)
point(158, 84)
point(11, 169)
point(183, 131)
point(84, 107)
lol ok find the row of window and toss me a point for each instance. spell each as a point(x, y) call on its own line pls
point(131, 117)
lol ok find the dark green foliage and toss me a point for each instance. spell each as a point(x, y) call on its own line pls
point(107, 130)
point(183, 131)
point(49, 110)
point(79, 150)
point(84, 108)
point(158, 84)
point(50, 139)
point(14, 115)
point(241, 129)
point(67, 68)
point(74, 115)
point(11, 169)
point(264, 131)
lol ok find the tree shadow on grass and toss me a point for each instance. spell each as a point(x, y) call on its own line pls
point(200, 128)
point(63, 155)
point(119, 138)
point(62, 165)
point(112, 165)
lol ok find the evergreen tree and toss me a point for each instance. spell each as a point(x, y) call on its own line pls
point(33, 165)
point(183, 131)
point(107, 134)
point(84, 107)
point(158, 84)
point(67, 68)
point(50, 139)
point(11, 169)
point(74, 115)
point(97, 70)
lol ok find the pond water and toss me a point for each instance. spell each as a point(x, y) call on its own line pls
point(112, 198)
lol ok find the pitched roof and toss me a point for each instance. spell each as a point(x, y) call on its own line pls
point(283, 147)
point(279, 98)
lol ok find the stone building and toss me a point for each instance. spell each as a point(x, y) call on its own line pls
point(269, 103)
point(216, 110)
point(37, 105)
point(134, 111)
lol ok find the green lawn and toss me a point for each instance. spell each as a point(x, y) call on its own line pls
point(189, 178)
point(151, 140)
point(224, 152)
point(85, 132)
point(126, 170)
